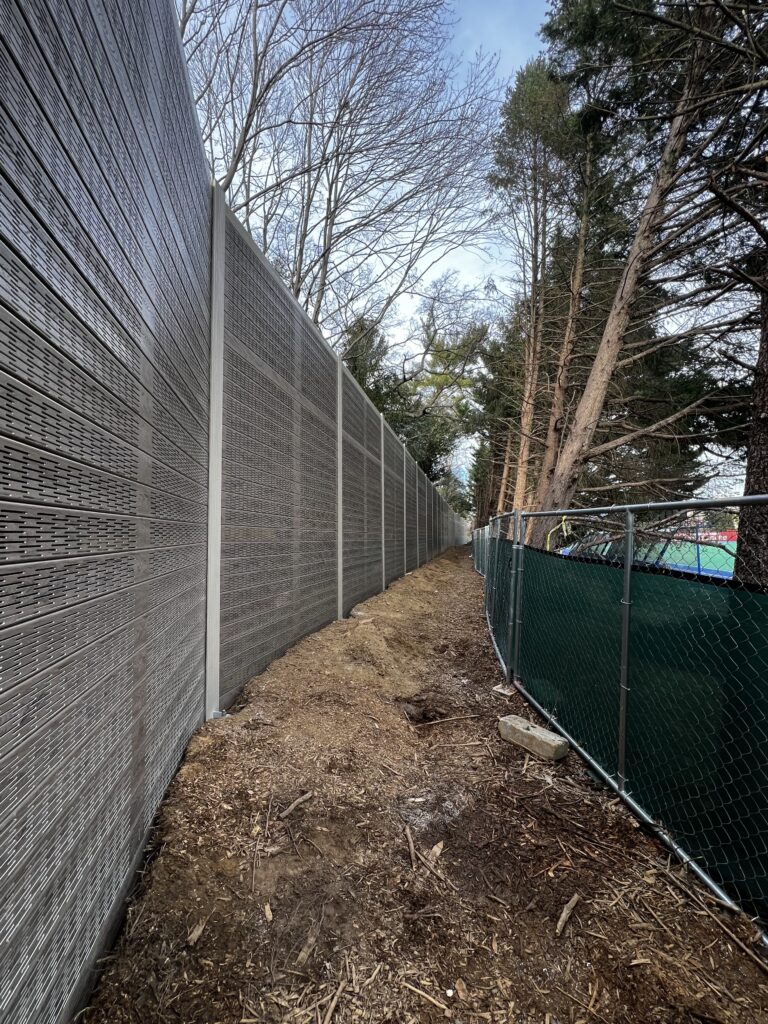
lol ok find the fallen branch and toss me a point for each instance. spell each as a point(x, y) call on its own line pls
point(434, 871)
point(568, 909)
point(296, 803)
point(440, 721)
point(580, 1002)
point(411, 847)
point(334, 1001)
point(370, 981)
point(429, 998)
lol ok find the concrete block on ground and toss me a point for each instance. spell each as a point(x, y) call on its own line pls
point(534, 738)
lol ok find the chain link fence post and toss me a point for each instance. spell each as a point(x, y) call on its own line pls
point(518, 602)
point(626, 609)
point(486, 574)
point(491, 574)
point(509, 671)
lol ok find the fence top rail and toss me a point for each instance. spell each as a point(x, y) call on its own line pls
point(649, 506)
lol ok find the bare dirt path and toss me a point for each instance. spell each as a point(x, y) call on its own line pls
point(259, 908)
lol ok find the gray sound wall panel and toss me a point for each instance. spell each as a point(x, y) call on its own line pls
point(354, 493)
point(393, 505)
point(362, 509)
point(278, 552)
point(423, 493)
point(430, 522)
point(373, 500)
point(411, 518)
point(431, 512)
point(104, 334)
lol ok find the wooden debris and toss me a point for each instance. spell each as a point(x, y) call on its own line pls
point(442, 721)
point(568, 909)
point(197, 931)
point(411, 848)
point(334, 1001)
point(734, 938)
point(372, 978)
point(309, 943)
point(580, 1002)
point(435, 852)
point(433, 870)
point(429, 998)
point(296, 803)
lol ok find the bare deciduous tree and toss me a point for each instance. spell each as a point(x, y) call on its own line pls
point(350, 142)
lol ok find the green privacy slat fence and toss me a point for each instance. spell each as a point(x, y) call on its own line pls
point(697, 705)
point(499, 602)
point(697, 735)
point(569, 650)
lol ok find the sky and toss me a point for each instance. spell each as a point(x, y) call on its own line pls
point(505, 27)
point(509, 29)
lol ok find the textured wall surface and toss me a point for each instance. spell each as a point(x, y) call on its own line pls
point(411, 513)
point(278, 551)
point(394, 533)
point(105, 357)
point(104, 278)
point(423, 489)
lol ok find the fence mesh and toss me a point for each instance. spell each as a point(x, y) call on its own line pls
point(500, 555)
point(694, 665)
point(569, 647)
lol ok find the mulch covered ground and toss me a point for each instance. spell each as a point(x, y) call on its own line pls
point(283, 887)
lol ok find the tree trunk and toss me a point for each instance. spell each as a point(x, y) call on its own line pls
point(503, 487)
point(533, 347)
point(560, 392)
point(752, 548)
point(527, 409)
point(575, 450)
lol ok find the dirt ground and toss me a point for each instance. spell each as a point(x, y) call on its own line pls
point(259, 908)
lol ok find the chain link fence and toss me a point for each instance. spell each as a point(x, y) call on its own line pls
point(641, 633)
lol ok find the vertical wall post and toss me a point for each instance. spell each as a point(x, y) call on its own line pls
point(418, 563)
point(519, 598)
point(339, 487)
point(405, 513)
point(433, 530)
point(626, 608)
point(383, 521)
point(215, 430)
